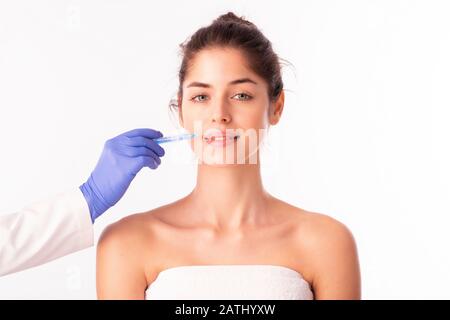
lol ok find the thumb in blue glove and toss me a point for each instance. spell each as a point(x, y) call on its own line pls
point(122, 158)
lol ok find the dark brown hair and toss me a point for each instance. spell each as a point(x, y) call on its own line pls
point(228, 30)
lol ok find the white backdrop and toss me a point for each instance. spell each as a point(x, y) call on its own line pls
point(363, 137)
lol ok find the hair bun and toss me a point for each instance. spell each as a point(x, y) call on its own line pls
point(231, 17)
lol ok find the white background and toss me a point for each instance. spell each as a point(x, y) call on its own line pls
point(363, 138)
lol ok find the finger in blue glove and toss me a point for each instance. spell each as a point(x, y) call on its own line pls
point(121, 159)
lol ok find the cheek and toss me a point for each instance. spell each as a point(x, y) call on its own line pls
point(190, 116)
point(255, 117)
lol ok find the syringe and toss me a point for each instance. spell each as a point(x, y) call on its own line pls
point(175, 138)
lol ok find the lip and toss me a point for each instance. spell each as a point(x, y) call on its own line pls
point(219, 138)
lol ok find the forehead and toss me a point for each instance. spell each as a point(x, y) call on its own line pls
point(218, 65)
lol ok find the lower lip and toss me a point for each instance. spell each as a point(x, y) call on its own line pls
point(221, 142)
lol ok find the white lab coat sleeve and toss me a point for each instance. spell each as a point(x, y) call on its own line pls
point(45, 230)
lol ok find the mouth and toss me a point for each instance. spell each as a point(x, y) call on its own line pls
point(221, 140)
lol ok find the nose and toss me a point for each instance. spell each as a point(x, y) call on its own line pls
point(221, 113)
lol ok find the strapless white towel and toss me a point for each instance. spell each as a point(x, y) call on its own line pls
point(229, 282)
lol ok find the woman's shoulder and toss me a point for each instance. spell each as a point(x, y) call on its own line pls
point(320, 245)
point(142, 224)
point(324, 245)
point(315, 229)
point(140, 232)
point(122, 237)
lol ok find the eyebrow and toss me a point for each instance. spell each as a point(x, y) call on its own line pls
point(206, 85)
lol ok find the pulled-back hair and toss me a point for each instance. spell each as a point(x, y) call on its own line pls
point(231, 31)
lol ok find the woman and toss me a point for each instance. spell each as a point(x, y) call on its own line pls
point(228, 238)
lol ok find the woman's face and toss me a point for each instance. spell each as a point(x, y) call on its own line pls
point(223, 98)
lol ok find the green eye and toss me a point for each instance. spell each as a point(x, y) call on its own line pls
point(203, 97)
point(200, 95)
point(243, 96)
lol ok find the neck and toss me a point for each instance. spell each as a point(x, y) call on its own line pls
point(229, 196)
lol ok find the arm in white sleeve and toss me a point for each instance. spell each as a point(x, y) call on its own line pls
point(45, 230)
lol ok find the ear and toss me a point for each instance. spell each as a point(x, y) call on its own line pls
point(276, 109)
point(180, 110)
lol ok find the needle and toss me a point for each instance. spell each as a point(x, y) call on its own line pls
point(175, 138)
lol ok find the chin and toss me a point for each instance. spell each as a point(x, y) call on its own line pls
point(220, 162)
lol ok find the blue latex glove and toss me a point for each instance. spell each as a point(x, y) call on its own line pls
point(122, 158)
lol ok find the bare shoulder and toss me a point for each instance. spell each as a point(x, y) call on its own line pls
point(317, 233)
point(313, 228)
point(123, 250)
point(121, 240)
point(327, 251)
point(319, 230)
point(333, 258)
point(135, 229)
point(134, 244)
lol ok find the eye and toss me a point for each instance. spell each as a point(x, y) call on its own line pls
point(201, 96)
point(243, 96)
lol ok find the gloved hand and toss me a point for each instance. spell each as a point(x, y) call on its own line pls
point(122, 158)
